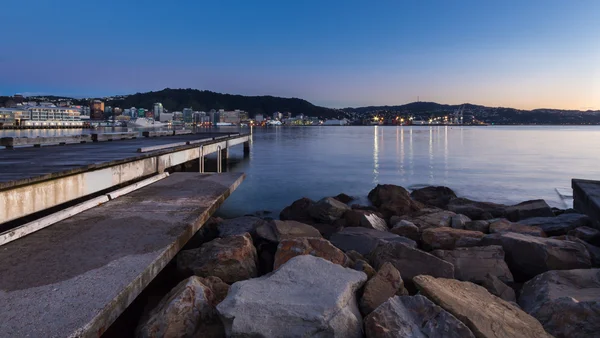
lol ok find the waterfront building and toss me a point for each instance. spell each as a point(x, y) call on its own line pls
point(141, 112)
point(277, 115)
point(232, 117)
point(214, 117)
point(117, 111)
point(177, 116)
point(85, 111)
point(336, 122)
point(166, 117)
point(158, 109)
point(288, 115)
point(41, 116)
point(259, 118)
point(97, 109)
point(244, 116)
point(187, 115)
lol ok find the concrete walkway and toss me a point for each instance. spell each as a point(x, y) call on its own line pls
point(76, 277)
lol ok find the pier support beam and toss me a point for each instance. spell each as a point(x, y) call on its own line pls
point(219, 159)
point(246, 148)
point(201, 160)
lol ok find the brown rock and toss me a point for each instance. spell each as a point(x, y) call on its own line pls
point(528, 256)
point(318, 247)
point(410, 261)
point(385, 284)
point(393, 200)
point(217, 286)
point(485, 314)
point(473, 264)
point(364, 266)
point(327, 210)
point(365, 219)
point(431, 218)
point(298, 211)
point(504, 225)
point(459, 221)
point(528, 209)
point(344, 198)
point(414, 316)
point(476, 210)
point(497, 288)
point(450, 238)
point(584, 233)
point(275, 231)
point(185, 311)
point(438, 197)
point(481, 225)
point(232, 259)
point(364, 240)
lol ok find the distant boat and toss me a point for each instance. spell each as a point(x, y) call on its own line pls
point(274, 123)
point(144, 122)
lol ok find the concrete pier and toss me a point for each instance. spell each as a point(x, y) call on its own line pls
point(74, 278)
point(586, 198)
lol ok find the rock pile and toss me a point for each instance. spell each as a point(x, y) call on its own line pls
point(419, 264)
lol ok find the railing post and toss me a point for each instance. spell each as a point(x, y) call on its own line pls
point(219, 159)
point(201, 159)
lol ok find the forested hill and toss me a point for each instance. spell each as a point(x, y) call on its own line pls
point(203, 100)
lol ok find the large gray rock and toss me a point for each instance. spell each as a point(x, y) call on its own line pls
point(410, 261)
point(239, 226)
point(431, 218)
point(328, 210)
point(186, 311)
point(504, 225)
point(594, 251)
point(528, 209)
point(473, 264)
point(497, 288)
point(528, 256)
point(436, 196)
point(276, 231)
point(306, 297)
point(566, 302)
point(385, 284)
point(476, 210)
point(485, 314)
point(450, 238)
point(231, 259)
point(413, 317)
point(459, 221)
point(405, 228)
point(393, 200)
point(559, 225)
point(319, 247)
point(480, 225)
point(363, 240)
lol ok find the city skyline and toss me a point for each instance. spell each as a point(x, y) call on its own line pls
point(340, 54)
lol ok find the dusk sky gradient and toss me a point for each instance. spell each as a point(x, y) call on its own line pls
point(522, 54)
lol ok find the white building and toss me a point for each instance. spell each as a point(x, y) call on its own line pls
point(158, 110)
point(336, 122)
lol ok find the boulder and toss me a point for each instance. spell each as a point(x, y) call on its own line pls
point(438, 197)
point(298, 211)
point(327, 210)
point(363, 240)
point(365, 219)
point(385, 284)
point(231, 259)
point(410, 261)
point(528, 209)
point(326, 230)
point(413, 316)
point(318, 247)
point(497, 288)
point(480, 225)
point(459, 221)
point(473, 264)
point(559, 225)
point(275, 231)
point(355, 255)
point(185, 311)
point(308, 296)
point(504, 225)
point(594, 251)
point(485, 314)
point(584, 233)
point(217, 286)
point(363, 266)
point(528, 256)
point(239, 226)
point(406, 229)
point(393, 200)
point(566, 302)
point(476, 210)
point(344, 198)
point(431, 218)
point(450, 238)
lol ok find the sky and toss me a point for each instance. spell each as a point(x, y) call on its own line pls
point(521, 54)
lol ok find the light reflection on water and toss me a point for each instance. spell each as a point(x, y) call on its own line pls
point(499, 164)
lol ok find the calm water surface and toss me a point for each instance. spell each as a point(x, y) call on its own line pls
point(499, 164)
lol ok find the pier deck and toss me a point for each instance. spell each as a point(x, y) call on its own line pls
point(77, 276)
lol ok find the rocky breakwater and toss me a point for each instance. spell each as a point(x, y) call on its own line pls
point(425, 263)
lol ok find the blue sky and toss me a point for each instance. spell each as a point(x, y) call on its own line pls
point(523, 54)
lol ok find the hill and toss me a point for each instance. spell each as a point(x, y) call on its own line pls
point(204, 100)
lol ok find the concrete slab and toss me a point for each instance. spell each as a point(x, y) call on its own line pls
point(76, 277)
point(586, 198)
point(10, 142)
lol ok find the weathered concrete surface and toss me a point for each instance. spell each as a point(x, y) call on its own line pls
point(586, 198)
point(24, 141)
point(77, 276)
point(35, 179)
